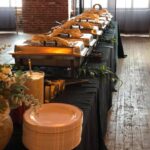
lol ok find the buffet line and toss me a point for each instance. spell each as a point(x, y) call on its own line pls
point(66, 45)
point(58, 126)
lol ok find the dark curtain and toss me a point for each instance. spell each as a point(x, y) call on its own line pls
point(7, 18)
point(134, 21)
point(8, 14)
point(132, 18)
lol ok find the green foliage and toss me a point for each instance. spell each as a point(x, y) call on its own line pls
point(99, 72)
point(111, 25)
point(12, 89)
point(104, 39)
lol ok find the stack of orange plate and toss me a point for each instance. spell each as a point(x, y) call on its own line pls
point(53, 126)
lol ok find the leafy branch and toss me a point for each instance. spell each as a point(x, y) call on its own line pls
point(112, 40)
point(99, 72)
point(13, 89)
point(111, 25)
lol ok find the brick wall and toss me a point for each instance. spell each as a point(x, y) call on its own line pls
point(39, 15)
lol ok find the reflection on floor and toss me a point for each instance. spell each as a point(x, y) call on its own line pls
point(13, 39)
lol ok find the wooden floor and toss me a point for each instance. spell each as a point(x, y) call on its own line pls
point(129, 118)
point(11, 38)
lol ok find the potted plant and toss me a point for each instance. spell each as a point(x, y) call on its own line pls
point(12, 95)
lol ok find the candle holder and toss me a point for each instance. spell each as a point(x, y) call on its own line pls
point(53, 88)
point(35, 85)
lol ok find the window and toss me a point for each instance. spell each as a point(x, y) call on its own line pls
point(16, 3)
point(104, 3)
point(90, 3)
point(124, 4)
point(4, 3)
point(11, 3)
point(140, 3)
point(74, 7)
point(132, 3)
point(87, 4)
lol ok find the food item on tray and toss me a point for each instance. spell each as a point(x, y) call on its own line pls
point(68, 23)
point(88, 15)
point(91, 25)
point(85, 25)
point(74, 33)
point(92, 19)
point(39, 37)
point(47, 38)
point(104, 10)
point(86, 38)
point(96, 12)
point(60, 42)
point(56, 32)
point(100, 12)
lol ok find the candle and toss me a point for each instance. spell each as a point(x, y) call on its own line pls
point(53, 88)
point(35, 85)
point(60, 84)
point(30, 66)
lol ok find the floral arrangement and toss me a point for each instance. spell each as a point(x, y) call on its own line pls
point(12, 89)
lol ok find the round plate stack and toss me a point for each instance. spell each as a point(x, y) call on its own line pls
point(53, 126)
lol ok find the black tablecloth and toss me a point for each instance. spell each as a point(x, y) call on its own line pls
point(111, 39)
point(93, 98)
point(86, 97)
point(107, 60)
point(90, 99)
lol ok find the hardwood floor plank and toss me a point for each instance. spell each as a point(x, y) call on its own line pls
point(11, 39)
point(132, 104)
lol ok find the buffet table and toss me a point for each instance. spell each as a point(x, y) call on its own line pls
point(94, 98)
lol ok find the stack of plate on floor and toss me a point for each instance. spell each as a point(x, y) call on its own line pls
point(53, 126)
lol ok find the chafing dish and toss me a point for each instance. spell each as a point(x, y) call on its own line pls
point(73, 35)
point(94, 30)
point(50, 56)
point(87, 38)
point(99, 23)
